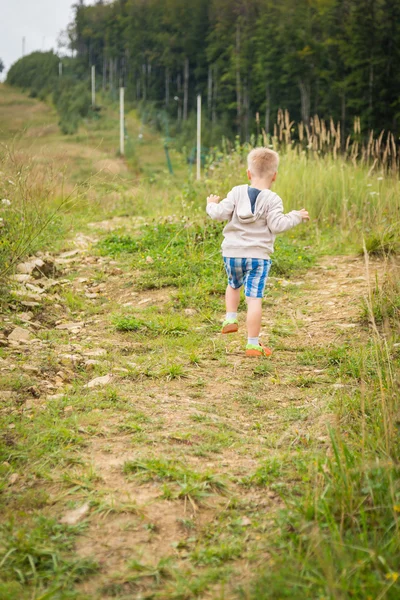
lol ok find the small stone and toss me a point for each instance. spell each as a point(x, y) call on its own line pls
point(25, 268)
point(55, 397)
point(99, 381)
point(68, 409)
point(149, 260)
point(91, 296)
point(246, 522)
point(91, 363)
point(74, 327)
point(29, 304)
point(13, 478)
point(190, 311)
point(95, 352)
point(25, 316)
point(72, 517)
point(144, 301)
point(116, 271)
point(19, 335)
point(34, 288)
point(68, 359)
point(6, 395)
point(21, 278)
point(28, 405)
point(69, 254)
point(30, 369)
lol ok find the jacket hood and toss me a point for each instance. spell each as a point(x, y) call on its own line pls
point(243, 208)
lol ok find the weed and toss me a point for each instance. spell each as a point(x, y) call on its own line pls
point(38, 555)
point(384, 304)
point(189, 484)
point(217, 555)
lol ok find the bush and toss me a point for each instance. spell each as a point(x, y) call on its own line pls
point(72, 101)
point(36, 72)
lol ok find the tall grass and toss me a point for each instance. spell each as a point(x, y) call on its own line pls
point(348, 198)
point(339, 537)
point(33, 205)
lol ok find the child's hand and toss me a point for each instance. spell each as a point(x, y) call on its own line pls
point(304, 214)
point(213, 198)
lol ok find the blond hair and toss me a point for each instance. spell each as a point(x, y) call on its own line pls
point(263, 162)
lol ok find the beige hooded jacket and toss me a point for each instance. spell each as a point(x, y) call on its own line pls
point(249, 235)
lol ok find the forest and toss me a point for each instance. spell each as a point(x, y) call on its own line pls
point(334, 58)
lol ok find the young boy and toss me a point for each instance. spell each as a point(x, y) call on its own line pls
point(255, 215)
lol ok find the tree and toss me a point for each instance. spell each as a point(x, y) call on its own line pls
point(337, 58)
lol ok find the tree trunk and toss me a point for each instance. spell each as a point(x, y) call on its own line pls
point(370, 92)
point(209, 91)
point(186, 89)
point(215, 96)
point(305, 101)
point(104, 73)
point(116, 70)
point(267, 108)
point(138, 88)
point(316, 100)
point(144, 84)
point(148, 80)
point(179, 90)
point(246, 108)
point(167, 79)
point(343, 119)
point(238, 83)
point(110, 84)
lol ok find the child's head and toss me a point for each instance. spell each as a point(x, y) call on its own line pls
point(263, 164)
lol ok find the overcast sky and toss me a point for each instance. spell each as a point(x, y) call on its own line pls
point(40, 21)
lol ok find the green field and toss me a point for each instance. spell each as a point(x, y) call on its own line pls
point(188, 471)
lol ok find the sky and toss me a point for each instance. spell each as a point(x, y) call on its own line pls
point(40, 21)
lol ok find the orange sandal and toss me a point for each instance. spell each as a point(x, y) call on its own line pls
point(256, 351)
point(230, 326)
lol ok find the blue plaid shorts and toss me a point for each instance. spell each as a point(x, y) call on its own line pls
point(250, 272)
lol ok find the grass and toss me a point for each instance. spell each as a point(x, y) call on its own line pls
point(38, 559)
point(206, 476)
point(189, 484)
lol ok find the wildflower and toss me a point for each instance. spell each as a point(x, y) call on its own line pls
point(380, 178)
point(6, 202)
point(393, 576)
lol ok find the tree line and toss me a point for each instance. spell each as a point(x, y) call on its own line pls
point(248, 58)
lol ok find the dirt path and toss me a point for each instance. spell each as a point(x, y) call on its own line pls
point(214, 425)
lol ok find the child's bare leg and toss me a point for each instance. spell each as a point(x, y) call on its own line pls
point(232, 299)
point(254, 315)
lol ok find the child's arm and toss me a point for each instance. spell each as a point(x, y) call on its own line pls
point(278, 222)
point(220, 211)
